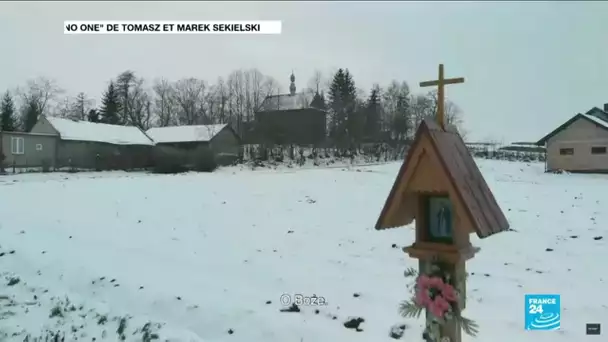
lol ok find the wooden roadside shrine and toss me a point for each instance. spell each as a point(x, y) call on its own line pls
point(440, 187)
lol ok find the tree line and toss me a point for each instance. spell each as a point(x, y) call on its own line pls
point(356, 115)
point(353, 113)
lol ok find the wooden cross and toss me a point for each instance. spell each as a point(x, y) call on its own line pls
point(440, 83)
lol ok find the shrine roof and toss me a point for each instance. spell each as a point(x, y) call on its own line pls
point(464, 175)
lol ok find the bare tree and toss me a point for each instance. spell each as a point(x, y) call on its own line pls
point(124, 82)
point(189, 94)
point(165, 103)
point(305, 97)
point(256, 87)
point(147, 122)
point(397, 109)
point(453, 113)
point(248, 96)
point(433, 99)
point(40, 92)
point(326, 83)
point(134, 99)
point(141, 113)
point(361, 94)
point(65, 109)
point(316, 81)
point(422, 108)
point(81, 106)
point(453, 116)
point(236, 85)
point(211, 104)
point(270, 87)
point(222, 95)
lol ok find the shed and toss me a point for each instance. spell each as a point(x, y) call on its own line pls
point(191, 145)
point(88, 145)
point(579, 144)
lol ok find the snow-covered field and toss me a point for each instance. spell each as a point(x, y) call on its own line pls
point(207, 257)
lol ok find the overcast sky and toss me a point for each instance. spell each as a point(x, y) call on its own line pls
point(528, 66)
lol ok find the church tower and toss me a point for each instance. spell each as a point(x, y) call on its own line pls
point(292, 86)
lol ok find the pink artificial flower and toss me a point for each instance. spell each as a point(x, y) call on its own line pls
point(449, 293)
point(423, 281)
point(422, 298)
point(442, 304)
point(436, 310)
point(436, 282)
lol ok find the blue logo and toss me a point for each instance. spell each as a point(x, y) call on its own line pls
point(543, 312)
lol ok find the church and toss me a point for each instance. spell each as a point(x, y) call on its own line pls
point(291, 119)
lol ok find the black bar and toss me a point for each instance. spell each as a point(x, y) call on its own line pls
point(593, 328)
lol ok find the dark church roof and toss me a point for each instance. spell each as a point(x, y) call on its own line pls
point(285, 102)
point(291, 101)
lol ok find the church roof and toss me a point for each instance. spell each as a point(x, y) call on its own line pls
point(285, 102)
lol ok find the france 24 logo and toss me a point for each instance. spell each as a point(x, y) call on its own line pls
point(543, 312)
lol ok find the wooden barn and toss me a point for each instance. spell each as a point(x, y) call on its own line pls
point(192, 145)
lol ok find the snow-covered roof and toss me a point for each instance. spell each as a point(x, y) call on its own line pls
point(603, 124)
point(99, 132)
point(284, 102)
point(179, 134)
point(596, 120)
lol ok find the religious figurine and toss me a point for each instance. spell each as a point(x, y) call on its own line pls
point(440, 218)
point(444, 217)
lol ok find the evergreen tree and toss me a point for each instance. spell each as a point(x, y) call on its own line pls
point(93, 115)
point(402, 121)
point(372, 122)
point(343, 103)
point(30, 115)
point(336, 106)
point(8, 121)
point(318, 101)
point(349, 92)
point(80, 106)
point(110, 106)
point(336, 85)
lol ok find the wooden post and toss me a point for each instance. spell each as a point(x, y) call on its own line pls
point(440, 83)
point(440, 100)
point(450, 329)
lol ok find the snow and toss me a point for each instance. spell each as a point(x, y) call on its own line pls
point(529, 145)
point(201, 254)
point(178, 134)
point(596, 120)
point(98, 132)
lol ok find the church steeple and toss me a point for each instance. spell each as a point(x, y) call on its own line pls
point(292, 86)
